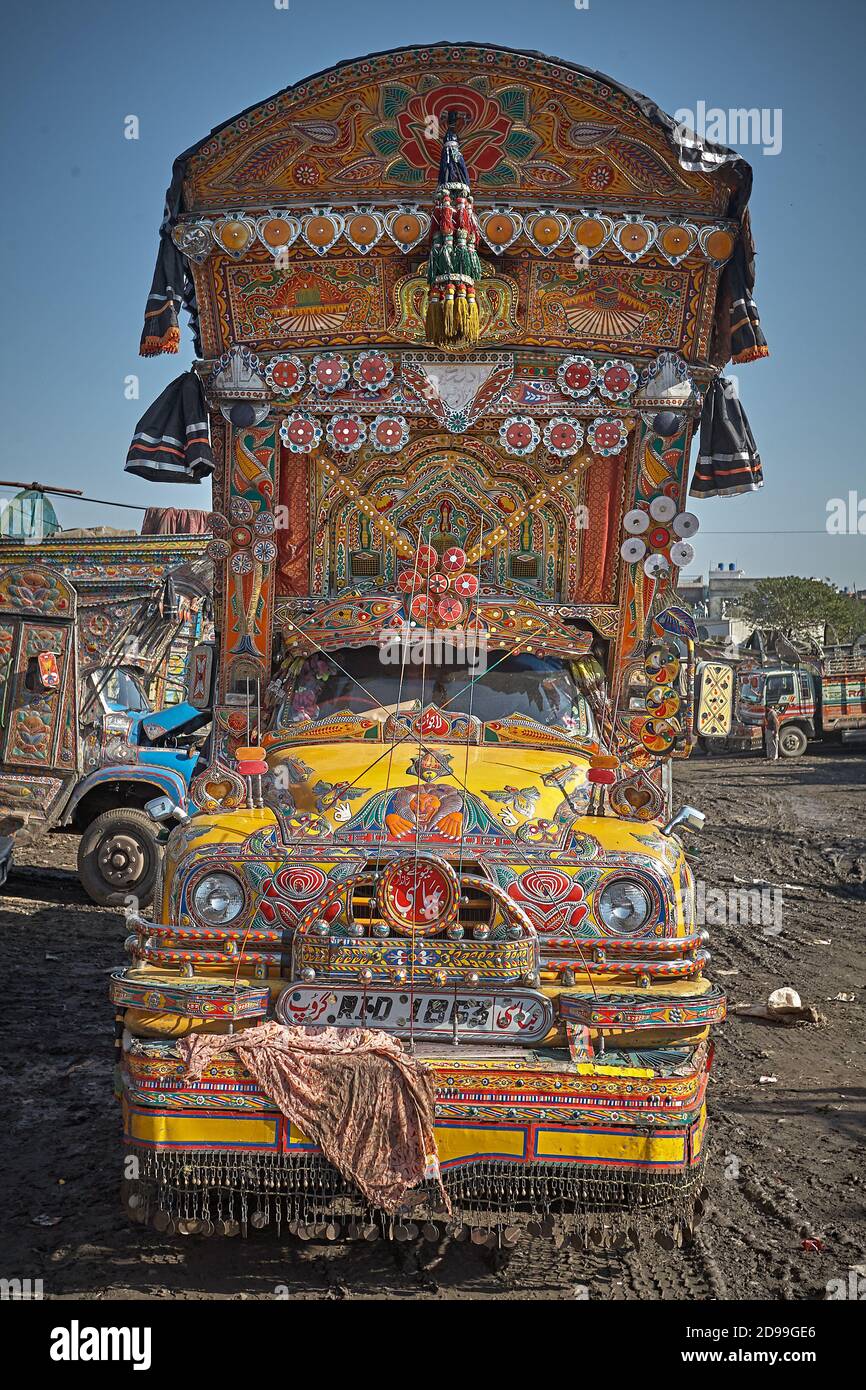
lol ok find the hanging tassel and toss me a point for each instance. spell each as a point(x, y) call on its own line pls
point(453, 266)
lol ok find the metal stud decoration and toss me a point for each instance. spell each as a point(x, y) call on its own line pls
point(576, 376)
point(606, 436)
point(329, 372)
point(562, 436)
point(519, 435)
point(301, 432)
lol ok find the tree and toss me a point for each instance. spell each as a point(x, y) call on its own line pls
point(794, 605)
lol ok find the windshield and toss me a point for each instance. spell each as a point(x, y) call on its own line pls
point(540, 688)
point(119, 690)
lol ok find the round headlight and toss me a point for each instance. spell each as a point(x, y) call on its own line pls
point(624, 905)
point(218, 899)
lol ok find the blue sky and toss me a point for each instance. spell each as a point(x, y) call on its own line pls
point(83, 206)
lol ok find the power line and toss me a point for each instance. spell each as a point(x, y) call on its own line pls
point(73, 493)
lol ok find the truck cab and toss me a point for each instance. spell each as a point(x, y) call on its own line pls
point(130, 755)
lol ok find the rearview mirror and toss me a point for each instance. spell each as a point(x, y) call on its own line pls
point(687, 818)
point(163, 808)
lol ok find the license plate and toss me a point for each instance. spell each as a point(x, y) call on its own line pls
point(500, 1016)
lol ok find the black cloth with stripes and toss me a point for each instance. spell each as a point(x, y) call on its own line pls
point(728, 458)
point(171, 443)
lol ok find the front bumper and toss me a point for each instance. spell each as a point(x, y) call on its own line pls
point(525, 1138)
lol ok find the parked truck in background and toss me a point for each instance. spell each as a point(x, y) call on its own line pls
point(83, 744)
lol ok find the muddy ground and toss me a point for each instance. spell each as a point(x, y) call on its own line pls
point(787, 1162)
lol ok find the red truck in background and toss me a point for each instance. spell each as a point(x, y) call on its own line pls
point(818, 697)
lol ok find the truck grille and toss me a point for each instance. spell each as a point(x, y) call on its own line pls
point(478, 907)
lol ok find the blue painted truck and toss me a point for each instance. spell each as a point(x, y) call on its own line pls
point(81, 746)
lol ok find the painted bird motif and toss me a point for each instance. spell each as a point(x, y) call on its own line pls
point(521, 800)
point(329, 793)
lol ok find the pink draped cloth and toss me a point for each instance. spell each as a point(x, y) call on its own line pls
point(356, 1092)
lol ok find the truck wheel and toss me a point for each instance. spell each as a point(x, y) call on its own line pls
point(118, 856)
point(792, 741)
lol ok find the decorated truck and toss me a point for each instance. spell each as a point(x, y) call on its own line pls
point(95, 634)
point(457, 312)
point(818, 698)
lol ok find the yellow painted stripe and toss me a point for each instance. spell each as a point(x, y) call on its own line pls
point(699, 1131)
point(161, 1128)
point(453, 1142)
point(555, 1143)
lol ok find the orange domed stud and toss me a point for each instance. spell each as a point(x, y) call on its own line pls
point(406, 227)
point(590, 232)
point(546, 230)
point(718, 244)
point(234, 235)
point(363, 231)
point(676, 242)
point(500, 229)
point(634, 238)
point(277, 232)
point(321, 231)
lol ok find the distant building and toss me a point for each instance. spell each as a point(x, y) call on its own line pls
point(714, 602)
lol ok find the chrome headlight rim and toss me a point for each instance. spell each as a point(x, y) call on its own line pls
point(604, 912)
point(231, 885)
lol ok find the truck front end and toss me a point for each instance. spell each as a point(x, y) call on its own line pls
point(442, 873)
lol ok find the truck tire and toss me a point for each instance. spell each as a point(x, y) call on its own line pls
point(792, 741)
point(118, 856)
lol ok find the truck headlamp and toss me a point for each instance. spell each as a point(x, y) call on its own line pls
point(218, 899)
point(624, 905)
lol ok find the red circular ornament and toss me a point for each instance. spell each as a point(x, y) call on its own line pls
point(421, 606)
point(373, 369)
point(518, 435)
point(659, 538)
point(409, 580)
point(466, 585)
point(426, 558)
point(346, 431)
point(330, 372)
point(389, 433)
point(450, 610)
point(437, 583)
point(563, 436)
point(617, 379)
point(301, 431)
point(454, 560)
point(578, 376)
point(419, 895)
point(607, 436)
point(285, 374)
